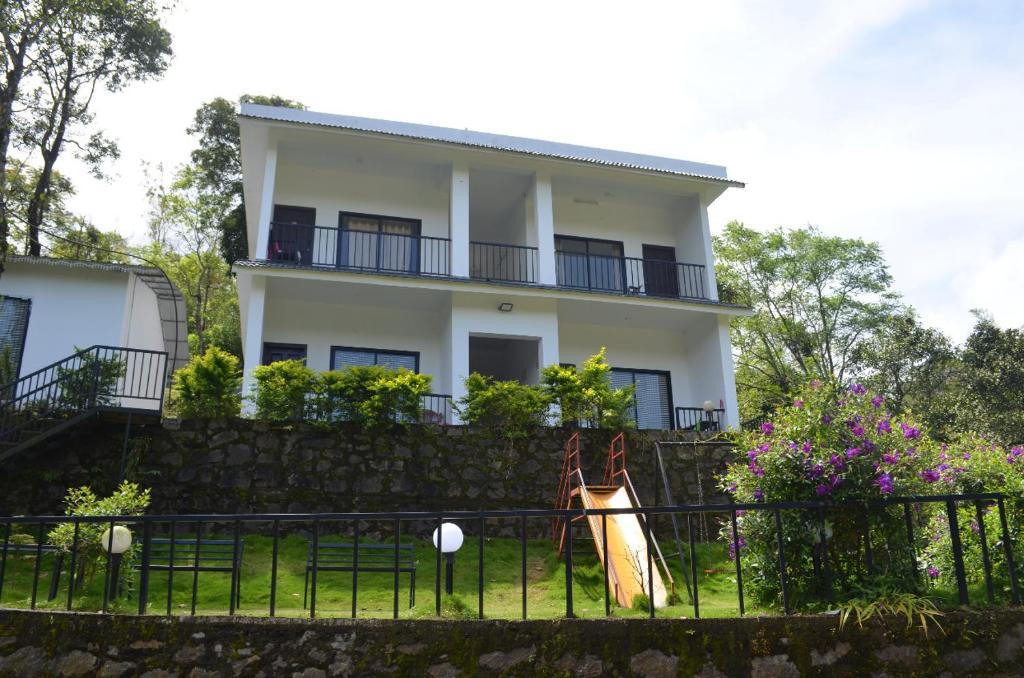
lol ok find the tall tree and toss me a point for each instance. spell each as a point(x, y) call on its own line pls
point(992, 384)
point(815, 299)
point(218, 162)
point(89, 44)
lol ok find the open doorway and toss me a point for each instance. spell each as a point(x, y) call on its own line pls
point(505, 358)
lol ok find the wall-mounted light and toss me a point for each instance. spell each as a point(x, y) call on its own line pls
point(505, 307)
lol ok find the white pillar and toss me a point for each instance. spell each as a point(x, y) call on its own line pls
point(458, 220)
point(709, 257)
point(544, 223)
point(266, 202)
point(253, 348)
point(458, 363)
point(732, 407)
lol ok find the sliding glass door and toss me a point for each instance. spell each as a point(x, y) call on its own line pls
point(589, 263)
point(379, 243)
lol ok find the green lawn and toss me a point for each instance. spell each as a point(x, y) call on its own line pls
point(502, 584)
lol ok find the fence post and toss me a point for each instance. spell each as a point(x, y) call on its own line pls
point(958, 553)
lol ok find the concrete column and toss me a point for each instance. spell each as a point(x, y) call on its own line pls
point(253, 333)
point(458, 362)
point(732, 407)
point(709, 257)
point(458, 220)
point(544, 223)
point(266, 203)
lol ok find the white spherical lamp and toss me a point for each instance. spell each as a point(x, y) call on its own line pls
point(451, 538)
point(117, 542)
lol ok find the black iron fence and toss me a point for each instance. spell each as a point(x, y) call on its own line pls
point(699, 419)
point(436, 409)
point(332, 247)
point(95, 377)
point(215, 543)
point(505, 263)
point(630, 276)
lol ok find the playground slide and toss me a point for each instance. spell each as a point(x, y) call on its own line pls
point(627, 547)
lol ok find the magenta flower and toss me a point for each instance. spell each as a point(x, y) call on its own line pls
point(858, 389)
point(933, 572)
point(807, 447)
point(758, 494)
point(741, 543)
point(909, 432)
point(891, 457)
point(731, 489)
point(837, 462)
point(815, 384)
point(857, 430)
point(853, 453)
point(884, 483)
point(826, 419)
point(767, 428)
point(798, 404)
point(884, 426)
point(816, 471)
point(929, 475)
point(877, 401)
point(823, 490)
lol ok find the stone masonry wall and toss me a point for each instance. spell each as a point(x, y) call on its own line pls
point(75, 644)
point(242, 466)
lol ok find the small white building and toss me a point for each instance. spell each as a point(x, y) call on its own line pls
point(449, 251)
point(49, 308)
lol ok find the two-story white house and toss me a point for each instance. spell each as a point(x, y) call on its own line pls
point(449, 251)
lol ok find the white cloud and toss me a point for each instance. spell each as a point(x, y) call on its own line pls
point(895, 120)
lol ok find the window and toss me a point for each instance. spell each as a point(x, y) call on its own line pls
point(292, 234)
point(273, 353)
point(652, 397)
point(343, 357)
point(13, 327)
point(371, 241)
point(589, 263)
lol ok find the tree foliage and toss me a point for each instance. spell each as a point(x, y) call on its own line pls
point(585, 396)
point(991, 383)
point(209, 386)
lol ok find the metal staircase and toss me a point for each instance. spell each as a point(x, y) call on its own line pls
point(92, 381)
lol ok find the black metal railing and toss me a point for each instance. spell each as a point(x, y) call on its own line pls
point(630, 276)
point(25, 548)
point(95, 377)
point(505, 263)
point(332, 247)
point(436, 409)
point(699, 419)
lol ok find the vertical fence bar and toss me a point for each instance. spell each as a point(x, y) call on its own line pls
point(355, 567)
point(739, 565)
point(986, 562)
point(958, 553)
point(650, 564)
point(1008, 550)
point(398, 546)
point(106, 570)
point(912, 546)
point(782, 562)
point(480, 571)
point(693, 564)
point(604, 557)
point(195, 564)
point(522, 574)
point(273, 566)
point(147, 538)
point(170, 566)
point(568, 569)
point(72, 565)
point(437, 568)
point(235, 574)
point(7, 543)
point(826, 566)
point(316, 566)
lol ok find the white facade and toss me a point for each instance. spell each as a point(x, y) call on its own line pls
point(466, 251)
point(74, 305)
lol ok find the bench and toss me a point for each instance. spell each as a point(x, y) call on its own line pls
point(341, 557)
point(212, 555)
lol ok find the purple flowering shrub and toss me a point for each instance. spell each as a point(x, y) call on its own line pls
point(844, 445)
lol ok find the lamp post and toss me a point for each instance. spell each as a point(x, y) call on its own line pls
point(451, 541)
point(116, 543)
point(709, 407)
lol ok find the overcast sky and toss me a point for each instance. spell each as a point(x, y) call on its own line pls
point(900, 121)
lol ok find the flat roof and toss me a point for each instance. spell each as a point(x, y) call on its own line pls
point(499, 142)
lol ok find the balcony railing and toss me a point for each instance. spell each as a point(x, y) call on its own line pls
point(630, 276)
point(505, 263)
point(698, 419)
point(331, 247)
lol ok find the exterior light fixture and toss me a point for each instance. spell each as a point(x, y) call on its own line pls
point(116, 541)
point(450, 542)
point(709, 406)
point(505, 307)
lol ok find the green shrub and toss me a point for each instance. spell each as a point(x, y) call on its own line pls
point(373, 395)
point(586, 396)
point(91, 383)
point(209, 386)
point(507, 407)
point(282, 389)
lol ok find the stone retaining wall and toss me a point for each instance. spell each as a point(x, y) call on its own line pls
point(73, 644)
point(242, 466)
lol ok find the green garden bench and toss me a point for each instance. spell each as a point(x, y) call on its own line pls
point(342, 557)
point(206, 555)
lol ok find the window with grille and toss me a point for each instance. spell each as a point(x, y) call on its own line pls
point(343, 357)
point(273, 353)
point(652, 399)
point(13, 327)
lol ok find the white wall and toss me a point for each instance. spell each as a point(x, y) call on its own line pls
point(322, 325)
point(71, 308)
point(714, 377)
point(143, 327)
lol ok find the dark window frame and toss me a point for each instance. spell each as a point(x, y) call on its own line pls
point(668, 387)
point(583, 238)
point(380, 218)
point(269, 345)
point(24, 334)
point(590, 274)
point(377, 351)
point(303, 237)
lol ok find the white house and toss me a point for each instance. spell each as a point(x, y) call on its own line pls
point(450, 251)
point(49, 308)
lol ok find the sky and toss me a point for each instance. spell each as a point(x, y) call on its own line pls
point(897, 121)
